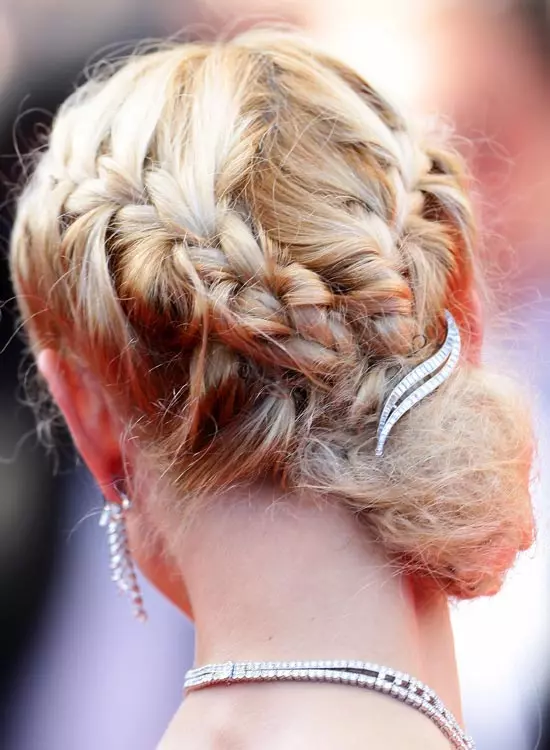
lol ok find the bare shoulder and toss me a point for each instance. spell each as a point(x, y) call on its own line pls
point(298, 719)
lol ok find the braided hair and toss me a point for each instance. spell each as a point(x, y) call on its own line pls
point(246, 244)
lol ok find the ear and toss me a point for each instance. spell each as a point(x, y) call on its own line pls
point(474, 343)
point(97, 436)
point(469, 316)
point(91, 424)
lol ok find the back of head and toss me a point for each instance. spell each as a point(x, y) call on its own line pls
point(246, 245)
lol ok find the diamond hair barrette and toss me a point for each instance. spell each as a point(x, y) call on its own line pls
point(419, 383)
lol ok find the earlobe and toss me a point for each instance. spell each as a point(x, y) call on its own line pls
point(87, 416)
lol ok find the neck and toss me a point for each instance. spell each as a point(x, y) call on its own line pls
point(281, 579)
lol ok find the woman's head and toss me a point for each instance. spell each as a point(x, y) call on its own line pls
point(240, 246)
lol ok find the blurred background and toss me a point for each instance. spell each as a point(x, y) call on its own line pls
point(77, 673)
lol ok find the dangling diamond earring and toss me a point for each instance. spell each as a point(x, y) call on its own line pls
point(123, 572)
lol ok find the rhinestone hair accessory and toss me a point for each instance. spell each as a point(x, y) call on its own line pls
point(419, 383)
point(397, 685)
point(123, 573)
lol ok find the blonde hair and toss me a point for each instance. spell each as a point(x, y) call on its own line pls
point(247, 245)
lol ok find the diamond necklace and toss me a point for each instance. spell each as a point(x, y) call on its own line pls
point(397, 685)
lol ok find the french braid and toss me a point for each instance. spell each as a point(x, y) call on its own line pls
point(246, 244)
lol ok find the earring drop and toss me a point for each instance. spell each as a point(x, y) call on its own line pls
point(123, 572)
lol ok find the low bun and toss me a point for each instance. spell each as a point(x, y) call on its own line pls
point(450, 499)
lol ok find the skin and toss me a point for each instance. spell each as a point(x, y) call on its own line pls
point(319, 589)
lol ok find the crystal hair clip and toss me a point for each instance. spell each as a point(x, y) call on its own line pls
point(419, 383)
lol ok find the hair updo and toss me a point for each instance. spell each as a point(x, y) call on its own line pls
point(248, 246)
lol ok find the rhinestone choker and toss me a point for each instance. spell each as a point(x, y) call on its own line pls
point(395, 684)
